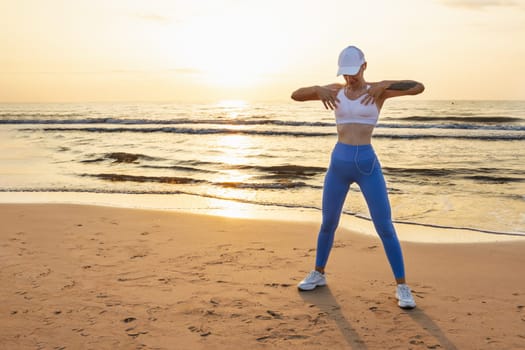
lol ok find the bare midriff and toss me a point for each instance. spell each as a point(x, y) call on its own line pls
point(355, 134)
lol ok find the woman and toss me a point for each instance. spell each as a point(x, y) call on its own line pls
point(357, 105)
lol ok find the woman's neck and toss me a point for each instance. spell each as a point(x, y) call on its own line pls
point(355, 90)
point(357, 87)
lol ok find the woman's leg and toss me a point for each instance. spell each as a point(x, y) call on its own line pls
point(374, 189)
point(335, 189)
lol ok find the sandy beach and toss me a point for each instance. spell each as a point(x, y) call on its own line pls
point(88, 277)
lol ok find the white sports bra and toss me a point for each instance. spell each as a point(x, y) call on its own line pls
point(353, 111)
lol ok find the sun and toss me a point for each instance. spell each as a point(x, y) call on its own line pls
point(230, 50)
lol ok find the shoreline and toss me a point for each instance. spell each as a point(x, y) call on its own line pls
point(104, 277)
point(183, 203)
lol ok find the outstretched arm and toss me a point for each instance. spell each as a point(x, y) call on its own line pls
point(402, 87)
point(327, 94)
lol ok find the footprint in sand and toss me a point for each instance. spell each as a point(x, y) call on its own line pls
point(452, 298)
point(46, 273)
point(274, 314)
point(132, 333)
point(339, 244)
point(378, 311)
point(69, 285)
point(202, 331)
point(276, 285)
point(284, 334)
point(271, 316)
point(18, 238)
point(143, 255)
point(263, 317)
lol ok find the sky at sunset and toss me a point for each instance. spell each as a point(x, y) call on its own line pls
point(206, 50)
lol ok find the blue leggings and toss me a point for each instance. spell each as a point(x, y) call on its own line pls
point(358, 164)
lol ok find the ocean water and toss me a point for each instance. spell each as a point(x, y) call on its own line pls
point(453, 164)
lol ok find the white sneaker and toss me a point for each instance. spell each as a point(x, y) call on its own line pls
point(404, 295)
point(313, 280)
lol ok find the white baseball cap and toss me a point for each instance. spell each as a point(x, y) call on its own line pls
point(350, 61)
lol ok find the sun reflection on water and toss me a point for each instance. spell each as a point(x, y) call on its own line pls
point(233, 152)
point(232, 104)
point(234, 149)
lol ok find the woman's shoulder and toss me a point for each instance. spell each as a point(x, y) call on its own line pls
point(335, 87)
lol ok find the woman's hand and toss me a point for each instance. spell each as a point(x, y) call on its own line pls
point(374, 93)
point(327, 96)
